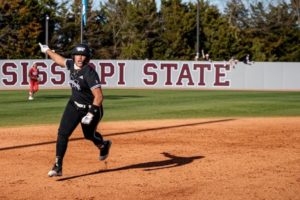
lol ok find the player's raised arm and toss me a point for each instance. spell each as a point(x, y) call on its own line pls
point(60, 60)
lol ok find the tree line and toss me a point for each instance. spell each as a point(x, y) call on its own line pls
point(137, 29)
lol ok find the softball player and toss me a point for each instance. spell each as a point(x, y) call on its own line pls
point(84, 105)
point(34, 80)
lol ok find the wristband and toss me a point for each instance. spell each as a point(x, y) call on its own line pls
point(94, 109)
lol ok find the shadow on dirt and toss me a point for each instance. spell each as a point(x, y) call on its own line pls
point(118, 133)
point(172, 161)
point(167, 127)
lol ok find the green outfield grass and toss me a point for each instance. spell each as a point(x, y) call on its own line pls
point(48, 105)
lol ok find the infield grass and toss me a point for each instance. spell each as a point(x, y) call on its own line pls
point(48, 105)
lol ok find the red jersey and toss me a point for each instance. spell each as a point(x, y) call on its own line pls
point(34, 73)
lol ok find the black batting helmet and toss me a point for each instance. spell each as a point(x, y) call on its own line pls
point(81, 49)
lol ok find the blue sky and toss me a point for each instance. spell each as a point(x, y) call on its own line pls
point(219, 3)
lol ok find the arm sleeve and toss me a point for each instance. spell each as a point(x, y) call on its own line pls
point(69, 64)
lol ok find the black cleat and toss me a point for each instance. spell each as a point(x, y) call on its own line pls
point(104, 149)
point(55, 171)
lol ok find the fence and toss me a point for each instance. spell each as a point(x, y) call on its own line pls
point(161, 75)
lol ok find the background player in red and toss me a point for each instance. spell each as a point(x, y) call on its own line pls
point(84, 106)
point(34, 80)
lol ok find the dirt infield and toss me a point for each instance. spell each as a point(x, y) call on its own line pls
point(213, 159)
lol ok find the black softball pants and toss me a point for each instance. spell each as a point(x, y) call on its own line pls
point(71, 118)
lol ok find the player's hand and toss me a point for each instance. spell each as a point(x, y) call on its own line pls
point(44, 47)
point(87, 119)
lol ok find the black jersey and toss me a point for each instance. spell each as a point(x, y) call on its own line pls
point(82, 82)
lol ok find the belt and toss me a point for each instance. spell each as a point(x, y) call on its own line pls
point(79, 105)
